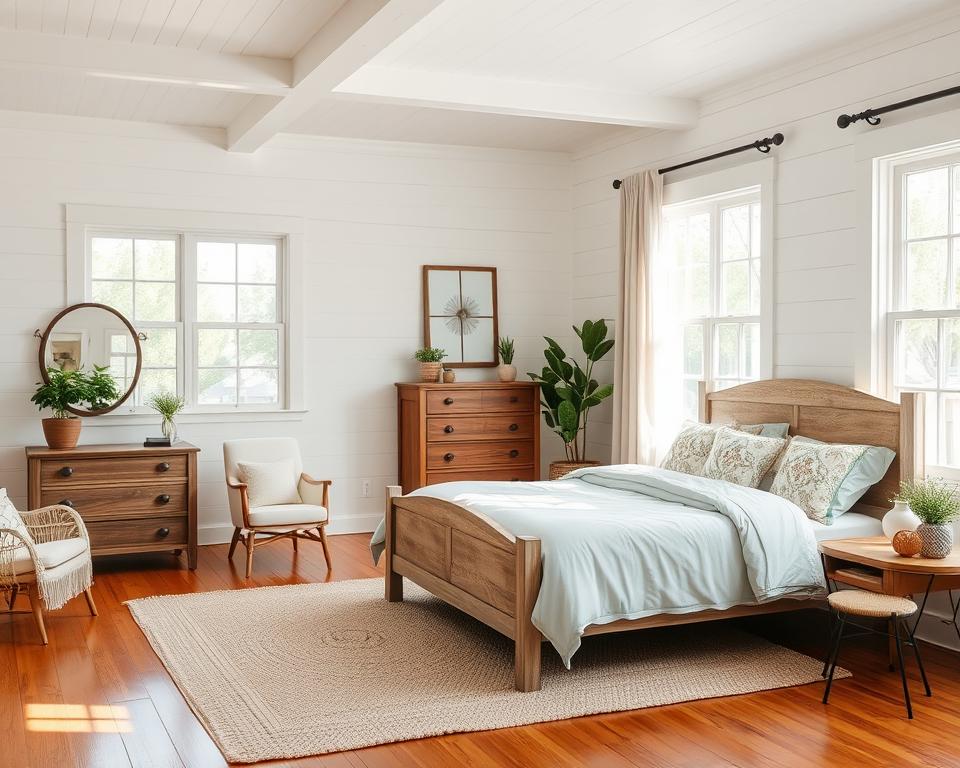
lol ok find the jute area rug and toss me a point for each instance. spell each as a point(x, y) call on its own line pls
point(282, 672)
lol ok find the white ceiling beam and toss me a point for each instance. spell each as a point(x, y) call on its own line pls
point(146, 63)
point(353, 36)
point(473, 93)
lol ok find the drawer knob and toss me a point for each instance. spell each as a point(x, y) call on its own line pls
point(448, 401)
point(513, 427)
point(163, 532)
point(514, 479)
point(514, 453)
point(448, 429)
point(514, 399)
point(66, 503)
point(448, 457)
point(65, 471)
point(163, 498)
point(163, 467)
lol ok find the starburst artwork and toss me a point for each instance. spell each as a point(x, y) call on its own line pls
point(460, 313)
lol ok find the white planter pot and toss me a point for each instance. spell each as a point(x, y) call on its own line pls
point(900, 518)
point(937, 540)
point(506, 372)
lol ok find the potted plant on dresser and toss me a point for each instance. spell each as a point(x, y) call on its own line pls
point(568, 391)
point(64, 390)
point(937, 504)
point(431, 366)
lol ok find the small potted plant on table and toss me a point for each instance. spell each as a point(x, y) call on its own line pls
point(168, 406)
point(937, 504)
point(430, 365)
point(506, 371)
point(64, 390)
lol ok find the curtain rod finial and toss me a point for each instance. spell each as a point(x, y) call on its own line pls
point(617, 183)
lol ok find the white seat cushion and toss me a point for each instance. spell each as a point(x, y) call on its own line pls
point(287, 514)
point(51, 554)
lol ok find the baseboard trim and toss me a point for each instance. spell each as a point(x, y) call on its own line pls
point(221, 534)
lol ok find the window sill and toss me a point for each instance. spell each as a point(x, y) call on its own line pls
point(129, 419)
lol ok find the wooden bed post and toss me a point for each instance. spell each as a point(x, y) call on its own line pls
point(393, 582)
point(912, 419)
point(527, 638)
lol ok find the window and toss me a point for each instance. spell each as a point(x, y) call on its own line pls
point(923, 324)
point(712, 247)
point(210, 308)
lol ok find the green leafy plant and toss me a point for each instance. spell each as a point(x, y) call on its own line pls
point(166, 404)
point(430, 355)
point(506, 350)
point(65, 389)
point(932, 500)
point(568, 391)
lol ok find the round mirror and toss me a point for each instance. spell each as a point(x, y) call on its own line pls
point(90, 336)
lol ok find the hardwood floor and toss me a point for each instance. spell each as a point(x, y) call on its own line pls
point(98, 696)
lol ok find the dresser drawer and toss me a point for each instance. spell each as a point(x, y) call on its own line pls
point(169, 530)
point(479, 428)
point(518, 474)
point(510, 399)
point(453, 401)
point(60, 472)
point(470, 455)
point(115, 501)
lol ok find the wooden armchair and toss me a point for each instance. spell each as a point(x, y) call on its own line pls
point(256, 526)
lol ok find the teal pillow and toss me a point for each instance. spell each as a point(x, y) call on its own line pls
point(868, 470)
point(774, 430)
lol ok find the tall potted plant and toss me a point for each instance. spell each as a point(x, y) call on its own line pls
point(568, 391)
point(65, 389)
point(937, 505)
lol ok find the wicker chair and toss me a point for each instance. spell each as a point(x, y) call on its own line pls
point(44, 554)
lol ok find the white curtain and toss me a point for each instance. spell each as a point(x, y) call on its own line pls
point(645, 359)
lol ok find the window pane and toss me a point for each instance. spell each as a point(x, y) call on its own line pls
point(160, 348)
point(917, 353)
point(728, 350)
point(755, 230)
point(950, 429)
point(216, 303)
point(216, 262)
point(754, 286)
point(735, 288)
point(926, 274)
point(258, 385)
point(118, 295)
point(216, 347)
point(258, 348)
point(121, 343)
point(693, 350)
point(256, 263)
point(156, 302)
point(927, 203)
point(156, 259)
point(956, 272)
point(218, 386)
point(257, 303)
point(951, 353)
point(735, 228)
point(956, 198)
point(691, 399)
point(693, 288)
point(112, 258)
point(751, 351)
point(153, 382)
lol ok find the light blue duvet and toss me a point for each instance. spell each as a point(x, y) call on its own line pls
point(629, 541)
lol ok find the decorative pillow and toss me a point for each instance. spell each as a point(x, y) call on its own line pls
point(869, 470)
point(779, 429)
point(10, 519)
point(811, 475)
point(741, 458)
point(269, 482)
point(690, 448)
point(767, 482)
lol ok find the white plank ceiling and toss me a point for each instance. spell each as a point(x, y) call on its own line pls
point(530, 74)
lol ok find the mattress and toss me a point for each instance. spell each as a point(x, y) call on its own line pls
point(847, 526)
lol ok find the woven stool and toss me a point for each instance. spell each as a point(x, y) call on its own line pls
point(850, 603)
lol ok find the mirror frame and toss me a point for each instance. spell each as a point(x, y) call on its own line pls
point(41, 357)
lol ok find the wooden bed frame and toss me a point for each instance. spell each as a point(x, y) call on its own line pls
point(469, 561)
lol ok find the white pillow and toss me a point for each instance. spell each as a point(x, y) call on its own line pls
point(269, 482)
point(741, 458)
point(10, 518)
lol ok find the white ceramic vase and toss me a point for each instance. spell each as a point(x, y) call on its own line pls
point(900, 518)
point(506, 372)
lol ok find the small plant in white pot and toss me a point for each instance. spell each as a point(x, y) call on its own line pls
point(506, 371)
point(937, 504)
point(431, 366)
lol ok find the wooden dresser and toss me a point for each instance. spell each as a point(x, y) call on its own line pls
point(470, 431)
point(132, 499)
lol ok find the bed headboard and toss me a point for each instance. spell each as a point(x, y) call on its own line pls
point(834, 414)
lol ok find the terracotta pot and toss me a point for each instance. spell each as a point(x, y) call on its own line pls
point(506, 372)
point(559, 468)
point(62, 433)
point(430, 372)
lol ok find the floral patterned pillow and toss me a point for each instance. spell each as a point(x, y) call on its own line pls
point(690, 449)
point(811, 474)
point(741, 458)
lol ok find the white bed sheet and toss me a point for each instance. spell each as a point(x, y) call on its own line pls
point(847, 526)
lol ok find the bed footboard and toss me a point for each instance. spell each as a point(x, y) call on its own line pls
point(470, 562)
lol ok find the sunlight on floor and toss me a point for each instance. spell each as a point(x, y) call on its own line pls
point(78, 718)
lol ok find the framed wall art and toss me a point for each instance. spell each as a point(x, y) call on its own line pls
point(460, 314)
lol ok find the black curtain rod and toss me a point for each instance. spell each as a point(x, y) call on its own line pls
point(871, 115)
point(761, 145)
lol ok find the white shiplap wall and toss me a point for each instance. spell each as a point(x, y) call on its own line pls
point(821, 284)
point(373, 214)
